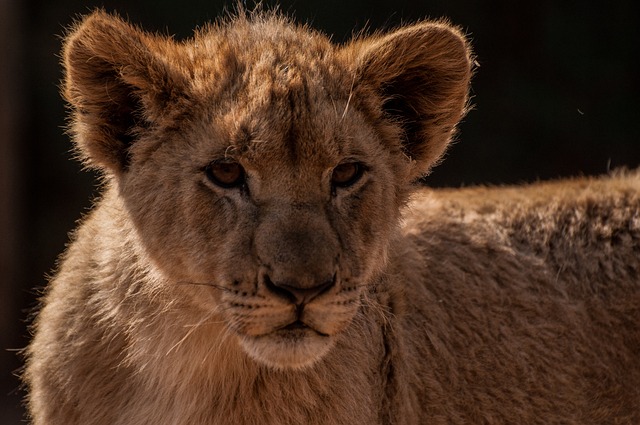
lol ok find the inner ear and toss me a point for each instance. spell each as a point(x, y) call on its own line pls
point(123, 115)
point(126, 114)
point(398, 106)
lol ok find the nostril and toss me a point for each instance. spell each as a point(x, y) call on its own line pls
point(325, 287)
point(298, 295)
point(280, 290)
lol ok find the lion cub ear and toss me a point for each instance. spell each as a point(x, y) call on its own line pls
point(117, 82)
point(422, 73)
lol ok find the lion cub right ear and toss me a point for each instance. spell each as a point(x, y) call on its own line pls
point(421, 73)
point(118, 81)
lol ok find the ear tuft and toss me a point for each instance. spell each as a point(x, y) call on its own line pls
point(115, 78)
point(421, 73)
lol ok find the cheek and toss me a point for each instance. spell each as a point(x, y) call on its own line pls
point(365, 222)
point(183, 228)
point(374, 204)
point(211, 225)
point(205, 213)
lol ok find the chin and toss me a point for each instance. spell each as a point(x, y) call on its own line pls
point(297, 348)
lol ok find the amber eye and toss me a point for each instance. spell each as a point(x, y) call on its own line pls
point(225, 173)
point(346, 174)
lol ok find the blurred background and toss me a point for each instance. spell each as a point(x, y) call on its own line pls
point(556, 94)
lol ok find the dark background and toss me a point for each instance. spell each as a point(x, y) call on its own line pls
point(556, 94)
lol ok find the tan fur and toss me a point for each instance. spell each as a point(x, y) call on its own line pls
point(486, 305)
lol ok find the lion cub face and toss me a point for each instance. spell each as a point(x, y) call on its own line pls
point(264, 162)
point(281, 203)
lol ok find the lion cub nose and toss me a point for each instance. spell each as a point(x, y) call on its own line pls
point(297, 294)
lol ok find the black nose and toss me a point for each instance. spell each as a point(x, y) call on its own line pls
point(298, 295)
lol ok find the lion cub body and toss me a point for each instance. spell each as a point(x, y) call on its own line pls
point(246, 264)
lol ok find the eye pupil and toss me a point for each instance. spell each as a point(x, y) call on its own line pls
point(346, 174)
point(226, 174)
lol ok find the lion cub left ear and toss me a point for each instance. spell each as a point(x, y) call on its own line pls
point(422, 74)
point(118, 82)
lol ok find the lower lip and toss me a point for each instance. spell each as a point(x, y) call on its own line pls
point(297, 330)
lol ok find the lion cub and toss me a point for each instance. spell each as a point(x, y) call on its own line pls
point(260, 254)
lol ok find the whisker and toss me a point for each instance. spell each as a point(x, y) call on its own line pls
point(190, 332)
point(219, 342)
point(209, 284)
point(380, 310)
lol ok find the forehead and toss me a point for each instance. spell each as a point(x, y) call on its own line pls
point(281, 96)
point(293, 116)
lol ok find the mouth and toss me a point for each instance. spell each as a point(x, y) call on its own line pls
point(284, 336)
point(297, 330)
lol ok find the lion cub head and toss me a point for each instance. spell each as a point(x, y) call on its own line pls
point(262, 160)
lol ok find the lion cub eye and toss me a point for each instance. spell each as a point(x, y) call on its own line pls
point(346, 174)
point(225, 173)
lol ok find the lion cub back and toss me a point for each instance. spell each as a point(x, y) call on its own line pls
point(528, 295)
